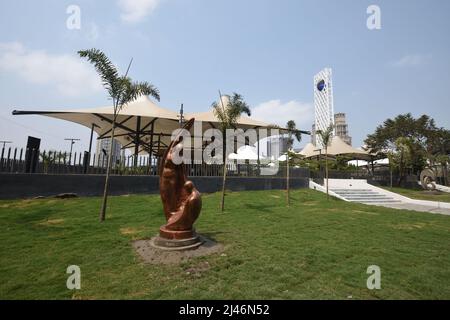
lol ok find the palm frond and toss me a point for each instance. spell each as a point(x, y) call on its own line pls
point(291, 128)
point(228, 115)
point(237, 101)
point(130, 91)
point(298, 135)
point(104, 67)
point(326, 135)
point(220, 114)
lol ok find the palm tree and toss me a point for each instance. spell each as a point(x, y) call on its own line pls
point(122, 90)
point(292, 132)
point(228, 112)
point(326, 137)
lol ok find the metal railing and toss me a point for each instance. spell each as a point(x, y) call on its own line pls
point(14, 160)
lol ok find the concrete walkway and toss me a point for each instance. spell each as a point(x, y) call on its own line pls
point(356, 190)
point(418, 207)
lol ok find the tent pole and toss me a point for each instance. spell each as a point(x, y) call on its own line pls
point(159, 157)
point(90, 141)
point(151, 147)
point(159, 142)
point(88, 160)
point(257, 137)
point(136, 142)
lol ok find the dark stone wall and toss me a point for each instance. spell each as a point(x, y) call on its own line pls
point(16, 186)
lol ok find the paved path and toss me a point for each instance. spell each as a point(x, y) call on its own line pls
point(355, 190)
point(416, 207)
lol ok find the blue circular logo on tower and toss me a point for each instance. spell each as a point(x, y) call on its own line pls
point(321, 85)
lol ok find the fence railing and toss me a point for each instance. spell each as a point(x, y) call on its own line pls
point(14, 160)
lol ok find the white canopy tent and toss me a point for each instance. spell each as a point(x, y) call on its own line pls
point(309, 150)
point(210, 120)
point(337, 147)
point(141, 125)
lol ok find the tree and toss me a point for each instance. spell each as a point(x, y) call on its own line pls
point(326, 136)
point(292, 132)
point(122, 90)
point(424, 141)
point(438, 149)
point(404, 125)
point(228, 111)
point(402, 159)
point(443, 160)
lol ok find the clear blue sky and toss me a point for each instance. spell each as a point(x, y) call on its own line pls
point(266, 50)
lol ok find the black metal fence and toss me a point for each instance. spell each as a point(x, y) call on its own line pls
point(58, 162)
point(379, 177)
point(14, 160)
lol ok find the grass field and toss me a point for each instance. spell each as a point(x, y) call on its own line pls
point(421, 195)
point(313, 250)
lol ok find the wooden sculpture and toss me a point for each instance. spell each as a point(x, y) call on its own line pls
point(182, 202)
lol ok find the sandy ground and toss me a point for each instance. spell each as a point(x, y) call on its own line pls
point(152, 255)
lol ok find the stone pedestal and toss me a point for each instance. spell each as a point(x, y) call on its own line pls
point(176, 240)
point(176, 235)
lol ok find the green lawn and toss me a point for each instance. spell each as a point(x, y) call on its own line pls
point(315, 249)
point(421, 195)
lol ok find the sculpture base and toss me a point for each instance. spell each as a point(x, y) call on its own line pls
point(151, 254)
point(176, 244)
point(176, 235)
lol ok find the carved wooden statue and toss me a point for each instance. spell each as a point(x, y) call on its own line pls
point(182, 202)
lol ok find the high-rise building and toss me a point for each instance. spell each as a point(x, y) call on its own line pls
point(313, 135)
point(276, 146)
point(341, 128)
point(323, 103)
point(102, 150)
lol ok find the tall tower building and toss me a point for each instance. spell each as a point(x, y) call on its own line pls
point(102, 150)
point(276, 146)
point(323, 103)
point(341, 128)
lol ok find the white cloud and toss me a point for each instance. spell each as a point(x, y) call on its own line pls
point(412, 60)
point(68, 73)
point(136, 10)
point(276, 112)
